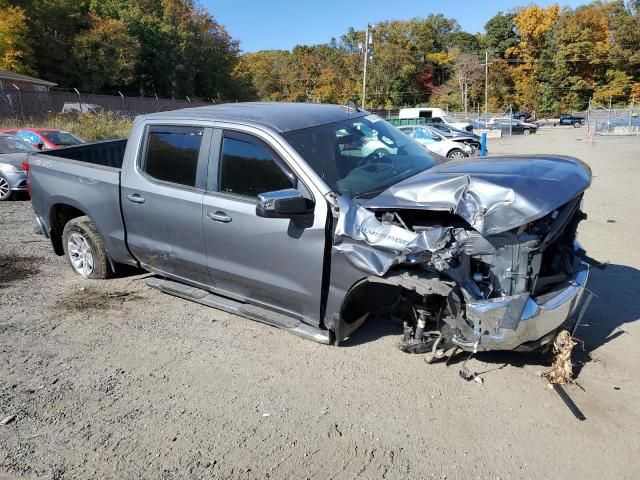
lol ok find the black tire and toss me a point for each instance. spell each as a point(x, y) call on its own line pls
point(526, 131)
point(456, 153)
point(86, 229)
point(577, 124)
point(5, 191)
point(522, 118)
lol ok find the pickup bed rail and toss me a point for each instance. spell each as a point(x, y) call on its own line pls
point(108, 153)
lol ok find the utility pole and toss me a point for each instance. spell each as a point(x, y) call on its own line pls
point(466, 97)
point(486, 81)
point(368, 39)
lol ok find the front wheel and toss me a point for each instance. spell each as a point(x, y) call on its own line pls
point(526, 131)
point(576, 124)
point(84, 249)
point(456, 153)
point(5, 189)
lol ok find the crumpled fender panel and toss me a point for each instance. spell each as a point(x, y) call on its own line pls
point(357, 230)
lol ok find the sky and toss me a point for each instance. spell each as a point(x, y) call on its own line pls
point(283, 24)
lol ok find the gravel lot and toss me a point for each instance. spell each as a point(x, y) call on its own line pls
point(115, 380)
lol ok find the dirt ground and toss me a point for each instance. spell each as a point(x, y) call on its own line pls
point(115, 380)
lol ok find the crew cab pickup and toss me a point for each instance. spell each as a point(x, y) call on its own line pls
point(566, 119)
point(278, 213)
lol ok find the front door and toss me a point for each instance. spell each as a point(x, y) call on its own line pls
point(162, 201)
point(273, 262)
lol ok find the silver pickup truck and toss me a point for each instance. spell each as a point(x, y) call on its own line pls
point(313, 218)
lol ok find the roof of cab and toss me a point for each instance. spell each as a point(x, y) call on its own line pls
point(282, 117)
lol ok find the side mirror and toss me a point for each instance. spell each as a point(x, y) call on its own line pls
point(38, 145)
point(287, 203)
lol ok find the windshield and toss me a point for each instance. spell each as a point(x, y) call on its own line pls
point(449, 119)
point(15, 145)
point(62, 138)
point(360, 157)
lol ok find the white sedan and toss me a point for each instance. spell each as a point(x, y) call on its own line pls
point(437, 143)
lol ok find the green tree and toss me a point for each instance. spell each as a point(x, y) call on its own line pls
point(107, 54)
point(500, 34)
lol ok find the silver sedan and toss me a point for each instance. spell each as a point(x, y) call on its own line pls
point(13, 178)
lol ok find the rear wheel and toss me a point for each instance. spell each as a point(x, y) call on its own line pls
point(523, 118)
point(576, 124)
point(84, 249)
point(456, 153)
point(5, 190)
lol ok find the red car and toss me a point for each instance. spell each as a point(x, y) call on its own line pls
point(45, 138)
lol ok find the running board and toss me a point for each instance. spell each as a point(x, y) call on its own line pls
point(243, 309)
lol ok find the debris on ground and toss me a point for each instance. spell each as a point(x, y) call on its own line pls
point(7, 420)
point(568, 402)
point(561, 371)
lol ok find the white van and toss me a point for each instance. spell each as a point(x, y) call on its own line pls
point(434, 115)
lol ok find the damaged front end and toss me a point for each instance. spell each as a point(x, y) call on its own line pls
point(479, 261)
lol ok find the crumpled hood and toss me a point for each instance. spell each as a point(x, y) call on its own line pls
point(14, 159)
point(492, 194)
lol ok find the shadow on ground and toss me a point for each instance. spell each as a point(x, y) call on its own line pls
point(615, 302)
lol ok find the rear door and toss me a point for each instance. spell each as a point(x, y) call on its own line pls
point(273, 262)
point(162, 201)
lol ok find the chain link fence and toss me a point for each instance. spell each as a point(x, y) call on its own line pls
point(33, 104)
point(612, 121)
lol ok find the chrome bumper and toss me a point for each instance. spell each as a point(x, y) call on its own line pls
point(508, 323)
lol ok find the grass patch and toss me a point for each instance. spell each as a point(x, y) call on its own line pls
point(90, 127)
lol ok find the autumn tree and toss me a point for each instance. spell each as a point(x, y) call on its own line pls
point(533, 25)
point(15, 52)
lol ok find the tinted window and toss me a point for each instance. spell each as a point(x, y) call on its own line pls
point(248, 169)
point(172, 154)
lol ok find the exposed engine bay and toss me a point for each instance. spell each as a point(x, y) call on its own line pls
point(460, 288)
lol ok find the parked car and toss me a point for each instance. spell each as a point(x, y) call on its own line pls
point(435, 115)
point(364, 142)
point(45, 138)
point(522, 116)
point(626, 120)
point(468, 138)
point(13, 177)
point(566, 119)
point(76, 107)
point(254, 209)
point(515, 127)
point(437, 143)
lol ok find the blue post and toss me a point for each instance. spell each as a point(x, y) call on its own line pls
point(483, 145)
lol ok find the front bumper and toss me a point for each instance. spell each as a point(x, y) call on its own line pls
point(17, 181)
point(522, 322)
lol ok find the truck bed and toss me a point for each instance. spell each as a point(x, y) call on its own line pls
point(108, 153)
point(87, 178)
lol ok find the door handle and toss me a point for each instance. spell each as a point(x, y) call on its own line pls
point(135, 198)
point(219, 217)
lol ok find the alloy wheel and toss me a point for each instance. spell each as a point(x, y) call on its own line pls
point(80, 254)
point(4, 188)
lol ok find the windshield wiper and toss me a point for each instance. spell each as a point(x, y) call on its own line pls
point(372, 192)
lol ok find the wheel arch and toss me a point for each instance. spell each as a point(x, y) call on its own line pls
point(59, 215)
